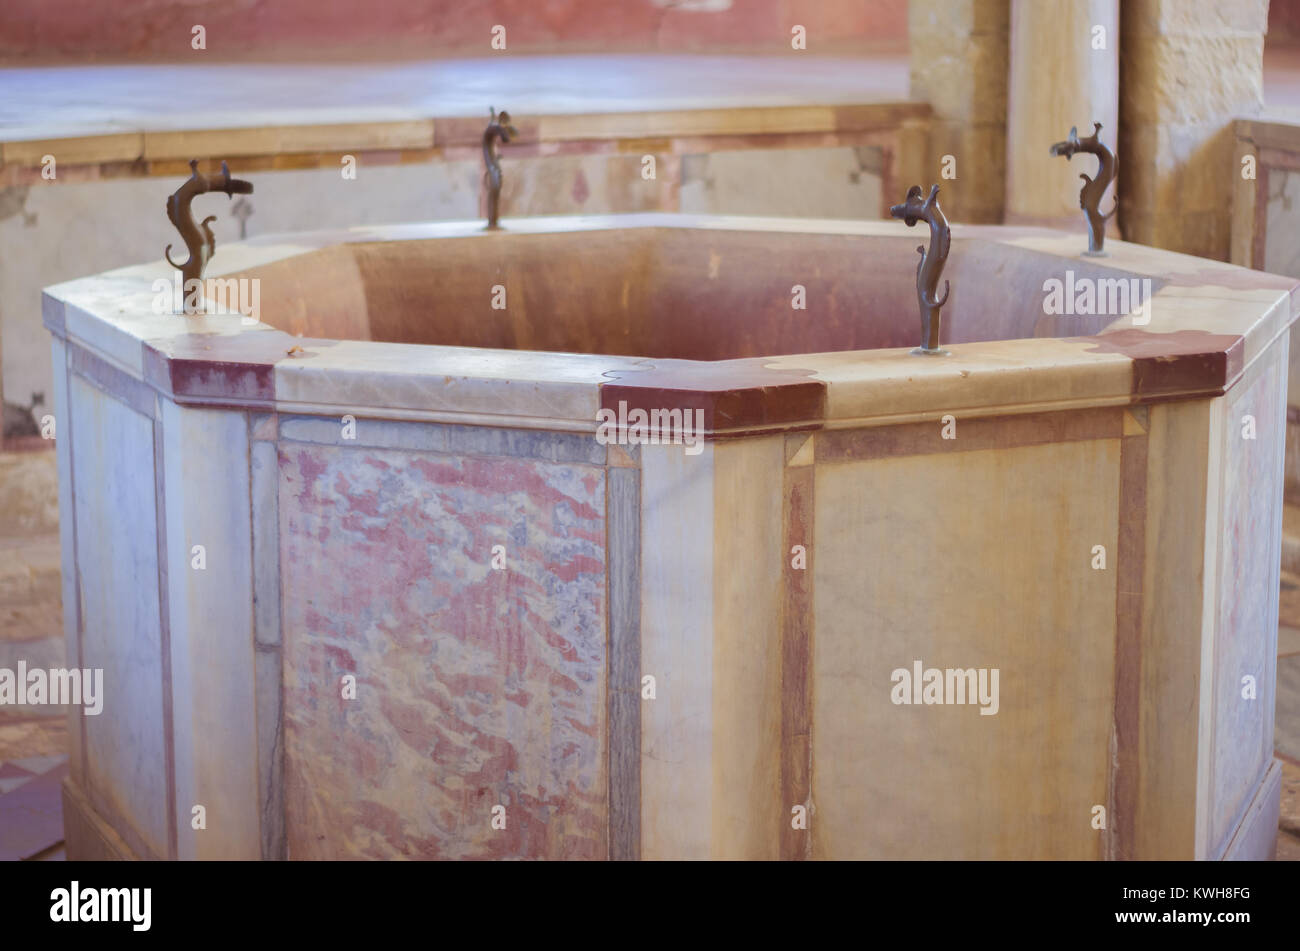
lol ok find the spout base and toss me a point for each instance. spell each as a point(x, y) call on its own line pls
point(927, 352)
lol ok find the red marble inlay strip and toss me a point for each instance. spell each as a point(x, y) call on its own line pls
point(460, 130)
point(237, 367)
point(994, 432)
point(733, 394)
point(1284, 159)
point(1174, 363)
point(1130, 558)
point(165, 642)
point(109, 379)
point(623, 694)
point(796, 660)
point(1259, 242)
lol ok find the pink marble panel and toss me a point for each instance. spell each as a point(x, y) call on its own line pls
point(476, 687)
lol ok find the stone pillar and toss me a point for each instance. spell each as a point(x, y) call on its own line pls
point(959, 66)
point(1188, 68)
point(1064, 72)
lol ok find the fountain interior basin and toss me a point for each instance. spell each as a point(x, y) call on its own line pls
point(369, 576)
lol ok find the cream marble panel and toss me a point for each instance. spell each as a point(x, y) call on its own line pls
point(1244, 191)
point(114, 506)
point(677, 649)
point(1258, 314)
point(1282, 241)
point(559, 184)
point(748, 568)
point(1137, 258)
point(975, 559)
point(1031, 374)
point(1177, 625)
point(1211, 594)
point(206, 466)
point(841, 182)
point(352, 376)
point(695, 122)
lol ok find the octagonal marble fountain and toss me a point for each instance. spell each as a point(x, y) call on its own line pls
point(418, 566)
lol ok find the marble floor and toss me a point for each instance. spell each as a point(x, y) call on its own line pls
point(31, 810)
point(33, 740)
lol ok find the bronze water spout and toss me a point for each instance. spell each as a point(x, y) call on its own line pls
point(1093, 188)
point(930, 266)
point(499, 128)
point(198, 237)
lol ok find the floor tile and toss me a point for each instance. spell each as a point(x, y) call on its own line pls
point(41, 764)
point(1288, 848)
point(10, 783)
point(1286, 729)
point(1288, 641)
point(31, 816)
point(33, 736)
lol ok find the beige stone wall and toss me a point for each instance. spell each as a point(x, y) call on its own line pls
point(959, 51)
point(1064, 72)
point(1188, 68)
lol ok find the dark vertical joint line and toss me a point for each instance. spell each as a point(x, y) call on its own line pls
point(611, 793)
point(77, 619)
point(1260, 240)
point(623, 690)
point(1129, 565)
point(271, 811)
point(165, 640)
point(263, 782)
point(282, 846)
point(796, 662)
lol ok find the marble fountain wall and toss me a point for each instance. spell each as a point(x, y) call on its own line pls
point(1264, 228)
point(365, 548)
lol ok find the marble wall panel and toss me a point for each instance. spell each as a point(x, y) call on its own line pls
point(677, 649)
point(1282, 242)
point(476, 686)
point(57, 232)
point(210, 614)
point(584, 184)
point(841, 182)
point(978, 559)
point(112, 466)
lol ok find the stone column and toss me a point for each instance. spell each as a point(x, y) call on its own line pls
point(959, 66)
point(1064, 72)
point(1188, 68)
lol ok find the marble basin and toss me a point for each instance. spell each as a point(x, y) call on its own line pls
point(416, 565)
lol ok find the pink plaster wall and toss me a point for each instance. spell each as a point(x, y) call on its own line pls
point(1284, 22)
point(125, 30)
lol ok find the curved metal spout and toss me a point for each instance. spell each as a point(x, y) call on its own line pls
point(1093, 188)
point(499, 129)
point(930, 267)
point(198, 237)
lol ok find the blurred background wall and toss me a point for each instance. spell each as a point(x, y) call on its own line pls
point(74, 31)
